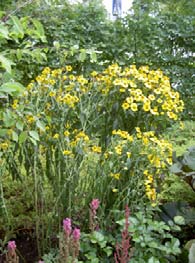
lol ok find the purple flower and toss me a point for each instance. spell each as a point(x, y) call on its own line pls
point(95, 204)
point(11, 245)
point(67, 226)
point(76, 234)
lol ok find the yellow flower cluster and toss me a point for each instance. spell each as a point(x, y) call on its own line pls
point(149, 185)
point(144, 90)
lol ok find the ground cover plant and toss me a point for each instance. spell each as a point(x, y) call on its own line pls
point(87, 145)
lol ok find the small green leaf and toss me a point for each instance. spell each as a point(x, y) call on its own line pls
point(82, 55)
point(4, 32)
point(6, 63)
point(14, 136)
point(20, 125)
point(40, 125)
point(23, 136)
point(179, 220)
point(93, 57)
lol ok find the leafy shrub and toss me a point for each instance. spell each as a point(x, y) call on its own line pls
point(80, 137)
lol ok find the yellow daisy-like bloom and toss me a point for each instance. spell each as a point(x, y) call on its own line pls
point(4, 145)
point(115, 176)
point(56, 136)
point(67, 152)
point(66, 133)
point(134, 107)
point(68, 68)
point(151, 97)
point(114, 190)
point(125, 106)
point(146, 106)
point(96, 149)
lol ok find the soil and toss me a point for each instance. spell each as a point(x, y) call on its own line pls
point(26, 248)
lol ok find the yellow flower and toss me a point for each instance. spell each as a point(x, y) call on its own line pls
point(4, 145)
point(67, 152)
point(151, 97)
point(146, 106)
point(115, 176)
point(30, 119)
point(134, 107)
point(96, 149)
point(118, 149)
point(66, 133)
point(68, 68)
point(56, 136)
point(114, 190)
point(128, 154)
point(52, 93)
point(94, 73)
point(125, 105)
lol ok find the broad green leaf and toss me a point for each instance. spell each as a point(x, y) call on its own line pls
point(3, 132)
point(34, 135)
point(6, 63)
point(4, 32)
point(39, 30)
point(10, 87)
point(20, 125)
point(18, 27)
point(23, 136)
point(8, 119)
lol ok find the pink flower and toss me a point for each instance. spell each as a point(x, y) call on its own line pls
point(95, 204)
point(67, 226)
point(76, 234)
point(11, 245)
point(41, 261)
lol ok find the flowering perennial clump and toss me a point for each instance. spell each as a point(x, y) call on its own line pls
point(11, 256)
point(69, 242)
point(113, 117)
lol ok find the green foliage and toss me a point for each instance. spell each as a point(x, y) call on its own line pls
point(97, 247)
point(20, 50)
point(185, 166)
point(151, 239)
point(181, 135)
point(78, 138)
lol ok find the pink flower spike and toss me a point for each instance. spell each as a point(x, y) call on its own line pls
point(95, 204)
point(67, 226)
point(76, 234)
point(11, 245)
